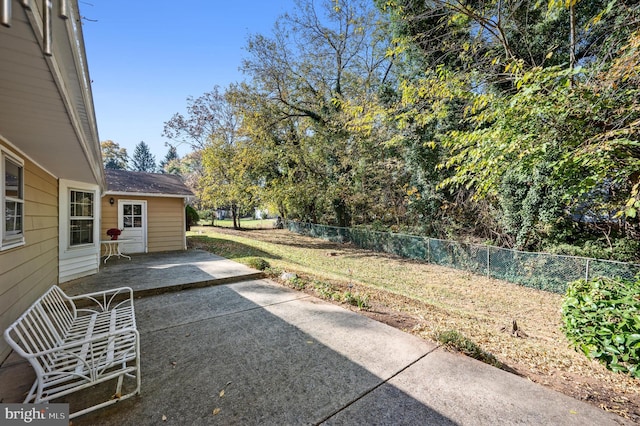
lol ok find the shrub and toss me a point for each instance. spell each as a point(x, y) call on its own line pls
point(361, 301)
point(325, 291)
point(622, 250)
point(258, 263)
point(602, 319)
point(192, 217)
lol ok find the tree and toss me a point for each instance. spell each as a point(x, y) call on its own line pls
point(228, 179)
point(497, 106)
point(212, 124)
point(113, 156)
point(170, 163)
point(207, 116)
point(190, 170)
point(320, 57)
point(557, 143)
point(143, 160)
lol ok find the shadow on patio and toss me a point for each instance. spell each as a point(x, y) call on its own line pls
point(249, 352)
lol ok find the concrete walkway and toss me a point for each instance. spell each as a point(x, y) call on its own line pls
point(256, 353)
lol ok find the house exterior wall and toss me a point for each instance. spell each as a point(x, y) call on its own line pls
point(29, 270)
point(165, 221)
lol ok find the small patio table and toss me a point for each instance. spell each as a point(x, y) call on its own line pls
point(113, 248)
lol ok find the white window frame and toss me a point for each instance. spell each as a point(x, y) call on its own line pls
point(9, 241)
point(91, 218)
point(67, 251)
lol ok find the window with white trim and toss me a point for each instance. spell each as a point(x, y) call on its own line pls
point(81, 217)
point(12, 198)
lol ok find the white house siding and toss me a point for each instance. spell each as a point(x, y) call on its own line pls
point(29, 270)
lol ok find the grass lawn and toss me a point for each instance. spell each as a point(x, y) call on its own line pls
point(431, 301)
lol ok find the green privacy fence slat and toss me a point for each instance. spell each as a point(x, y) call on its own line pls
point(543, 271)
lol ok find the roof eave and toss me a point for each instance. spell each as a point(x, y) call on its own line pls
point(146, 194)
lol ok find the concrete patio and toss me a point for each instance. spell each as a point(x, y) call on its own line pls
point(156, 273)
point(252, 352)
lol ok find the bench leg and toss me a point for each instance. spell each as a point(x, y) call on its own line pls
point(119, 387)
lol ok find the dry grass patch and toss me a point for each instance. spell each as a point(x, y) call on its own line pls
point(429, 300)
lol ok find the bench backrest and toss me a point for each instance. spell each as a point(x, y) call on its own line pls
point(43, 326)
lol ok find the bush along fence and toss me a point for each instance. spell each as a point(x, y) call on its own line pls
point(542, 271)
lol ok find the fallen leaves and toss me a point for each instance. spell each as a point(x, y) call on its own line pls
point(221, 394)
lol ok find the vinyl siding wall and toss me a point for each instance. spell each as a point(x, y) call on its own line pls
point(165, 221)
point(27, 271)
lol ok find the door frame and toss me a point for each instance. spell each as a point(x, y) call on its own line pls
point(145, 219)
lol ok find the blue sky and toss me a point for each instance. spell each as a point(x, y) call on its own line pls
point(145, 58)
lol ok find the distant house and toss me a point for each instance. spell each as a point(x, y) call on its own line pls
point(149, 209)
point(51, 170)
point(222, 213)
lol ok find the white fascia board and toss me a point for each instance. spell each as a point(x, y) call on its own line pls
point(90, 143)
point(143, 194)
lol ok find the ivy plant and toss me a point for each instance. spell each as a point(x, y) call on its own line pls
point(602, 319)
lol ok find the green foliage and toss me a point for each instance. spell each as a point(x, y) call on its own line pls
point(113, 156)
point(298, 283)
point(325, 290)
point(258, 263)
point(507, 120)
point(143, 160)
point(171, 161)
point(622, 249)
point(532, 208)
point(310, 109)
point(456, 341)
point(207, 215)
point(191, 216)
point(229, 161)
point(434, 117)
point(355, 299)
point(602, 319)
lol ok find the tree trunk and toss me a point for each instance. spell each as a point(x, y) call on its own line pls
point(236, 219)
point(572, 39)
point(342, 213)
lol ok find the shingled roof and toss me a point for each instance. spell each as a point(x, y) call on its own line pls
point(146, 183)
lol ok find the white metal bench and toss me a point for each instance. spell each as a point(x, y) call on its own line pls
point(77, 342)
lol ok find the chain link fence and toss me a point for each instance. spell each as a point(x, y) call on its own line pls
point(542, 271)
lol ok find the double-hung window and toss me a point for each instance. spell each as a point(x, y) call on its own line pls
point(12, 201)
point(81, 217)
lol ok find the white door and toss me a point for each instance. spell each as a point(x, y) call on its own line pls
point(132, 220)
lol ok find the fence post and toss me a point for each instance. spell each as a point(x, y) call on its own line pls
point(488, 262)
point(586, 274)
